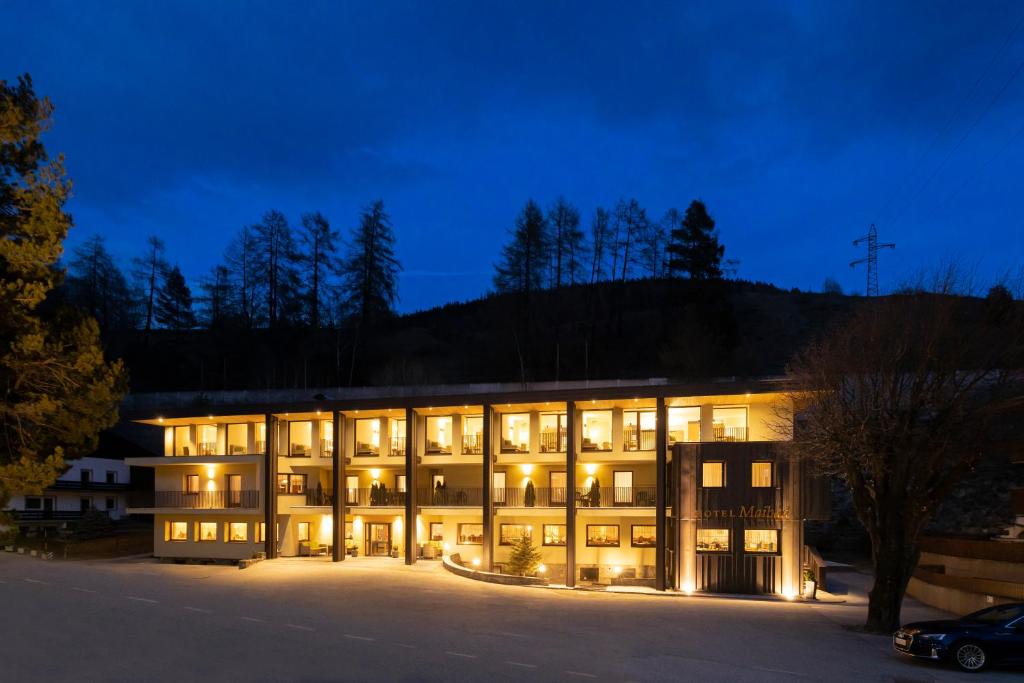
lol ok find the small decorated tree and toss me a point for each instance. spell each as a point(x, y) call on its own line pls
point(525, 558)
point(530, 494)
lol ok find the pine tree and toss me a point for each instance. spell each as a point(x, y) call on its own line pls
point(146, 271)
point(370, 269)
point(525, 258)
point(525, 558)
point(694, 248)
point(58, 390)
point(275, 272)
point(319, 263)
point(96, 285)
point(566, 243)
point(174, 302)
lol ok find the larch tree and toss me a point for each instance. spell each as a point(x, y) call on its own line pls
point(242, 263)
point(631, 224)
point(173, 307)
point(370, 268)
point(96, 285)
point(525, 259)
point(898, 401)
point(319, 261)
point(59, 392)
point(672, 223)
point(566, 243)
point(600, 243)
point(146, 272)
point(216, 302)
point(275, 268)
point(652, 241)
point(693, 246)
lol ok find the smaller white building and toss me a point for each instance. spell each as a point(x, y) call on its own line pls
point(91, 483)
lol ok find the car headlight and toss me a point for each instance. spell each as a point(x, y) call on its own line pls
point(931, 636)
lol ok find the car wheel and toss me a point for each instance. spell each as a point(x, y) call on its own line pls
point(970, 657)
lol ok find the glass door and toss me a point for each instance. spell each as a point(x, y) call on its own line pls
point(378, 539)
point(234, 490)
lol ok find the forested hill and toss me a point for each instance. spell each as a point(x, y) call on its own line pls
point(678, 329)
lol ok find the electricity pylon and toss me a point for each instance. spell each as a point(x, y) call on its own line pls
point(872, 258)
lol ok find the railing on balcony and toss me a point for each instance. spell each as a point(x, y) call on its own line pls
point(723, 433)
point(634, 439)
point(299, 450)
point(46, 515)
point(326, 448)
point(615, 496)
point(87, 485)
point(436, 448)
point(552, 442)
point(200, 500)
point(319, 497)
point(451, 496)
point(366, 449)
point(261, 447)
point(518, 497)
point(472, 444)
point(208, 448)
point(397, 445)
point(375, 498)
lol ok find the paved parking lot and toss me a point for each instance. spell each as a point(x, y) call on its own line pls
point(377, 620)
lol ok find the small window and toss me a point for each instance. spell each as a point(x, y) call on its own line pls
point(33, 503)
point(398, 437)
point(761, 475)
point(471, 534)
point(554, 534)
point(638, 430)
point(238, 532)
point(508, 534)
point(553, 433)
point(557, 482)
point(597, 430)
point(437, 531)
point(712, 475)
point(473, 434)
point(176, 532)
point(352, 489)
point(191, 483)
point(302, 529)
point(439, 434)
point(206, 531)
point(111, 504)
point(293, 484)
point(261, 437)
point(111, 477)
point(760, 540)
point(261, 532)
point(712, 540)
point(644, 536)
point(515, 433)
point(85, 476)
point(327, 438)
point(400, 483)
point(300, 439)
point(603, 535)
point(499, 488)
point(85, 504)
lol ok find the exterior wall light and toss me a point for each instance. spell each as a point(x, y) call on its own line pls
point(590, 467)
point(476, 561)
point(541, 568)
point(527, 469)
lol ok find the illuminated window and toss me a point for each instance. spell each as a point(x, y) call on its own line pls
point(638, 430)
point(300, 439)
point(261, 532)
point(190, 483)
point(510, 533)
point(644, 536)
point(261, 437)
point(557, 483)
point(437, 531)
point(473, 434)
point(471, 534)
point(712, 475)
point(597, 430)
point(603, 535)
point(761, 474)
point(713, 540)
point(400, 483)
point(554, 534)
point(499, 488)
point(398, 437)
point(552, 433)
point(238, 439)
point(302, 529)
point(293, 484)
point(730, 424)
point(183, 441)
point(176, 531)
point(515, 433)
point(238, 532)
point(368, 436)
point(439, 434)
point(327, 438)
point(684, 425)
point(352, 489)
point(208, 440)
point(622, 483)
point(760, 540)
point(206, 531)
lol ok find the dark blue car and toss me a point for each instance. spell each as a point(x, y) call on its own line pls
point(990, 636)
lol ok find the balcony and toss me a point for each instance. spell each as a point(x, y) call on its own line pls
point(397, 445)
point(385, 498)
point(46, 515)
point(616, 496)
point(319, 497)
point(63, 484)
point(634, 439)
point(451, 496)
point(723, 433)
point(200, 500)
point(551, 442)
point(326, 448)
point(472, 444)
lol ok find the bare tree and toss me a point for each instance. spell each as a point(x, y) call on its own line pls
point(600, 239)
point(147, 271)
point(630, 224)
point(897, 401)
point(319, 260)
point(242, 264)
point(566, 242)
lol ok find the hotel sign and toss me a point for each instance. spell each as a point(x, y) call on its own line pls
point(761, 512)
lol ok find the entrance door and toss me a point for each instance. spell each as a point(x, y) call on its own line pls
point(234, 490)
point(378, 539)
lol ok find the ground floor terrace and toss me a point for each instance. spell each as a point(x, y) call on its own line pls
point(377, 619)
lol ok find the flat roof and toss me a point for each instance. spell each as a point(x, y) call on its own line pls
point(147, 406)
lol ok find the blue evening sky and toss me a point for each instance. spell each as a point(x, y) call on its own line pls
point(798, 123)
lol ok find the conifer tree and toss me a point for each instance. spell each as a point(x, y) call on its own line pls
point(174, 302)
point(96, 285)
point(525, 558)
point(693, 246)
point(59, 392)
point(370, 269)
point(276, 274)
point(600, 243)
point(216, 301)
point(525, 258)
point(566, 243)
point(147, 271)
point(243, 264)
point(319, 263)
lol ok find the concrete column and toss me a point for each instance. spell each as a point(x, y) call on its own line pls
point(707, 423)
point(338, 484)
point(570, 494)
point(411, 487)
point(270, 490)
point(687, 516)
point(661, 461)
point(792, 528)
point(488, 489)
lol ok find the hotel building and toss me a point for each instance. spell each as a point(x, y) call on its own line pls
point(675, 486)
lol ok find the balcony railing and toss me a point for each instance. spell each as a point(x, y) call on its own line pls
point(435, 448)
point(366, 449)
point(46, 515)
point(615, 496)
point(723, 433)
point(200, 500)
point(299, 450)
point(472, 444)
point(397, 445)
point(319, 497)
point(208, 448)
point(451, 496)
point(516, 497)
point(375, 498)
point(551, 442)
point(87, 485)
point(326, 448)
point(634, 439)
